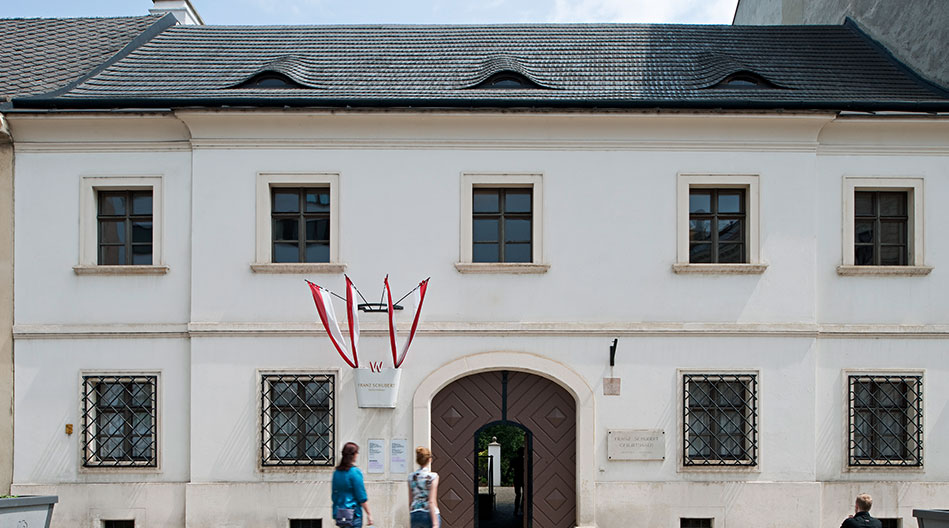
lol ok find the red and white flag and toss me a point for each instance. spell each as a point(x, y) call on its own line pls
point(324, 307)
point(419, 297)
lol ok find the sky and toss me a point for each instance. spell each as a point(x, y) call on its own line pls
point(262, 12)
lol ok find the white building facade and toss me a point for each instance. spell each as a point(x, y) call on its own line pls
point(193, 336)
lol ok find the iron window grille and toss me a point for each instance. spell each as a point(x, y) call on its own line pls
point(720, 420)
point(717, 219)
point(297, 420)
point(685, 522)
point(300, 219)
point(502, 224)
point(886, 420)
point(881, 230)
point(119, 421)
point(125, 227)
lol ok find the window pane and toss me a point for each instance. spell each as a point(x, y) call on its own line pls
point(286, 202)
point(286, 229)
point(517, 201)
point(111, 232)
point(700, 230)
point(112, 255)
point(141, 231)
point(485, 252)
point(318, 252)
point(729, 230)
point(318, 229)
point(730, 202)
point(142, 203)
point(317, 393)
point(863, 204)
point(140, 394)
point(730, 253)
point(286, 252)
point(485, 229)
point(701, 253)
point(892, 203)
point(142, 254)
point(863, 256)
point(700, 202)
point(863, 232)
point(517, 230)
point(891, 255)
point(485, 201)
point(318, 201)
point(111, 203)
point(892, 232)
point(517, 252)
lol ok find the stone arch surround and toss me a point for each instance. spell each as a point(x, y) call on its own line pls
point(555, 371)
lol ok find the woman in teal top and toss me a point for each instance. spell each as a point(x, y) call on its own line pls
point(349, 491)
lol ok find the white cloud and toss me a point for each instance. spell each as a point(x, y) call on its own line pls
point(645, 11)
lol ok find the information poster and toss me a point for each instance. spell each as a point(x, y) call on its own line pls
point(397, 456)
point(377, 455)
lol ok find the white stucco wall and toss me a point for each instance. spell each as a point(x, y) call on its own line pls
point(211, 324)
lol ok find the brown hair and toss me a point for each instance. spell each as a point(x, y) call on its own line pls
point(349, 453)
point(422, 455)
point(864, 502)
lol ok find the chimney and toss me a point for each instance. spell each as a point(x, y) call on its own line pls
point(182, 9)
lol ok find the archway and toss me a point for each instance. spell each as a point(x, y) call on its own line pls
point(547, 410)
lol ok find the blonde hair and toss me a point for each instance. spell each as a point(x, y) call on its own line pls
point(864, 502)
point(422, 455)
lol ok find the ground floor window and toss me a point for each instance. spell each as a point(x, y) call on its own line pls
point(720, 419)
point(886, 420)
point(297, 419)
point(120, 421)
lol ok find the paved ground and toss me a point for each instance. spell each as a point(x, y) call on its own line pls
point(504, 513)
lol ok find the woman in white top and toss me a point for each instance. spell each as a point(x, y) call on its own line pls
point(423, 491)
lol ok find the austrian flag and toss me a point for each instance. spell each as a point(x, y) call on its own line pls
point(324, 307)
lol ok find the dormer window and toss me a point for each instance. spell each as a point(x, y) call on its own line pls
point(744, 80)
point(271, 80)
point(507, 80)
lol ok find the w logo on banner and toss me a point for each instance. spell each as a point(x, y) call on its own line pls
point(375, 366)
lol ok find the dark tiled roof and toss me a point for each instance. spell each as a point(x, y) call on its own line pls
point(39, 55)
point(576, 65)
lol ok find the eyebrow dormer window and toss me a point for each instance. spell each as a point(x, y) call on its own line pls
point(507, 81)
point(270, 80)
point(745, 79)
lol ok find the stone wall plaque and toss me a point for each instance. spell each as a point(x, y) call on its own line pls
point(636, 444)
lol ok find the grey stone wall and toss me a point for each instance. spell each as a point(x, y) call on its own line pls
point(915, 31)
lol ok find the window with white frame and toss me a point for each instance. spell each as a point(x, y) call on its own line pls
point(501, 223)
point(298, 423)
point(720, 419)
point(883, 226)
point(297, 223)
point(120, 225)
point(885, 420)
point(717, 223)
point(120, 420)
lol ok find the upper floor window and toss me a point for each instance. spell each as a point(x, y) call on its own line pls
point(501, 224)
point(301, 224)
point(120, 421)
point(886, 420)
point(297, 223)
point(720, 420)
point(717, 225)
point(298, 420)
point(125, 227)
point(883, 227)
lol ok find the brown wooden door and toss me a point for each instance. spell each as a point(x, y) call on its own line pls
point(543, 407)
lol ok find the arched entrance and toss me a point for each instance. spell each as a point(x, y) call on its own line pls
point(461, 408)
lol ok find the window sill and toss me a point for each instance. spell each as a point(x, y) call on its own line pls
point(883, 271)
point(884, 469)
point(294, 267)
point(119, 270)
point(719, 468)
point(719, 269)
point(513, 268)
